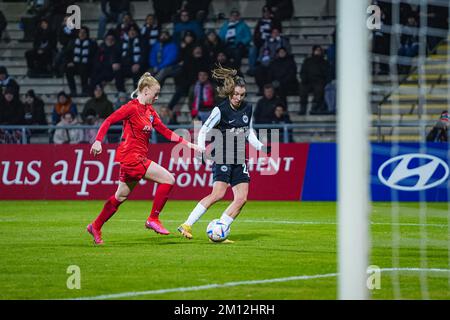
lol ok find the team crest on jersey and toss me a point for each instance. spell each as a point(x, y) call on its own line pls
point(245, 118)
point(224, 168)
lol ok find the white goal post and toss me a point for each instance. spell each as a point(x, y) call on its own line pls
point(353, 148)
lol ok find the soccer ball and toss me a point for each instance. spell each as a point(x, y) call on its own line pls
point(217, 231)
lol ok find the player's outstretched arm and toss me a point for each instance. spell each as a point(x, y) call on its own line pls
point(209, 124)
point(172, 136)
point(120, 114)
point(253, 139)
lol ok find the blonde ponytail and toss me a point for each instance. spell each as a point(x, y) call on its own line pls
point(146, 80)
point(229, 78)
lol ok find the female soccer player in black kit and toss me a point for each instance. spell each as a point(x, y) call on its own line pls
point(233, 118)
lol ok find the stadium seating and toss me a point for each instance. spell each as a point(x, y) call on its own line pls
point(311, 25)
point(403, 105)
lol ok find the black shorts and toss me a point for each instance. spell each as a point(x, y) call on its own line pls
point(232, 174)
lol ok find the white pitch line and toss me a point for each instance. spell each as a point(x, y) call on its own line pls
point(204, 287)
point(240, 283)
point(280, 222)
point(312, 222)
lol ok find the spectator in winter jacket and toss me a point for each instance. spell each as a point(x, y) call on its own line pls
point(122, 28)
point(11, 113)
point(6, 81)
point(112, 11)
point(188, 74)
point(198, 9)
point(186, 24)
point(314, 75)
point(275, 41)
point(72, 135)
point(98, 106)
point(165, 10)
point(11, 108)
point(39, 59)
point(282, 9)
point(121, 99)
point(236, 35)
point(34, 113)
point(202, 97)
point(150, 32)
point(440, 132)
point(132, 58)
point(80, 60)
point(65, 36)
point(91, 134)
point(3, 24)
point(163, 57)
point(409, 43)
point(106, 62)
point(283, 74)
point(186, 46)
point(280, 116)
point(261, 33)
point(266, 105)
point(55, 11)
point(265, 26)
point(268, 53)
point(212, 45)
point(63, 105)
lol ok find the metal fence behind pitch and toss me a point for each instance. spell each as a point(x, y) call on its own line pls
point(304, 132)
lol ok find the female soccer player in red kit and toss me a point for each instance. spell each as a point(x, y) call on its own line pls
point(139, 118)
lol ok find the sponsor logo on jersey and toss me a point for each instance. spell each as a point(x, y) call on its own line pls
point(237, 131)
point(413, 172)
point(147, 129)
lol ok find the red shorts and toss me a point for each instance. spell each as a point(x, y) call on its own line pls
point(135, 172)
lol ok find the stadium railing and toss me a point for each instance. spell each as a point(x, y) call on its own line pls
point(286, 130)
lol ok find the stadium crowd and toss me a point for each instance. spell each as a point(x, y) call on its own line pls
point(407, 46)
point(129, 49)
point(187, 55)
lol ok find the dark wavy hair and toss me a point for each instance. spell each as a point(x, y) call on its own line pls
point(229, 79)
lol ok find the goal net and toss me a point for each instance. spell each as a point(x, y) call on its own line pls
point(393, 150)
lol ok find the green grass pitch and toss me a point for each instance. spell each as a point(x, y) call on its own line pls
point(273, 240)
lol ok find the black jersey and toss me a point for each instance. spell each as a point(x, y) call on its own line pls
point(234, 127)
point(234, 119)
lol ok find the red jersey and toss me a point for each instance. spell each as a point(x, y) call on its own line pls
point(138, 122)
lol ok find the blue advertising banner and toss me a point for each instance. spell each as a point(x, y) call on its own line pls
point(410, 172)
point(399, 172)
point(320, 182)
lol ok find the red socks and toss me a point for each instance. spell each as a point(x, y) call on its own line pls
point(162, 194)
point(111, 206)
point(108, 211)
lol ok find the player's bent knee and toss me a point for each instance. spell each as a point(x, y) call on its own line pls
point(122, 195)
point(121, 198)
point(215, 197)
point(240, 200)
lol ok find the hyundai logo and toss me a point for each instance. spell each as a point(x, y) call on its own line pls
point(413, 172)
